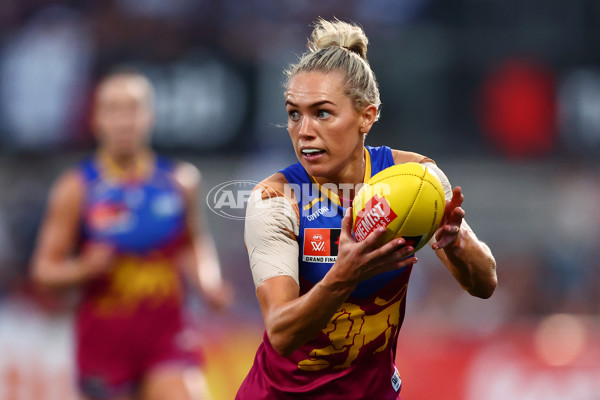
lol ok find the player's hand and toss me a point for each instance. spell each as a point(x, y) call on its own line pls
point(219, 297)
point(357, 261)
point(447, 233)
point(96, 259)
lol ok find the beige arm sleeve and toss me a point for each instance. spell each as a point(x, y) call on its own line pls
point(270, 235)
point(433, 168)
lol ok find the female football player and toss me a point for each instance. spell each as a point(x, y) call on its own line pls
point(124, 227)
point(333, 307)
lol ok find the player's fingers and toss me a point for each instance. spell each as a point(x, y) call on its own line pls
point(399, 263)
point(450, 228)
point(374, 239)
point(346, 231)
point(455, 201)
point(440, 244)
point(389, 248)
point(438, 232)
point(448, 235)
point(406, 262)
point(458, 194)
point(402, 254)
point(456, 217)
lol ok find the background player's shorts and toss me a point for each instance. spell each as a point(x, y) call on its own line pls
point(114, 355)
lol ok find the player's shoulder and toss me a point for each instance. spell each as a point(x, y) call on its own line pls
point(68, 188)
point(402, 156)
point(186, 175)
point(71, 179)
point(275, 185)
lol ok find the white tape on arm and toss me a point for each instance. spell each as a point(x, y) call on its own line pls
point(270, 235)
point(434, 169)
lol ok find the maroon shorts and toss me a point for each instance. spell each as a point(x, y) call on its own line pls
point(114, 354)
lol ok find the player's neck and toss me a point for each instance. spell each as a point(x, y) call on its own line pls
point(344, 184)
point(127, 166)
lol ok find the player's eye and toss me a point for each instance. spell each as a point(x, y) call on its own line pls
point(294, 115)
point(323, 114)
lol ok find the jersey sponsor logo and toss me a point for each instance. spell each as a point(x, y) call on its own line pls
point(352, 332)
point(321, 245)
point(377, 212)
point(318, 213)
point(110, 218)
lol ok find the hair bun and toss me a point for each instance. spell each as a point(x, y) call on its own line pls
point(349, 37)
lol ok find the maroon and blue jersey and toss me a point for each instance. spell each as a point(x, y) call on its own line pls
point(136, 215)
point(353, 356)
point(129, 319)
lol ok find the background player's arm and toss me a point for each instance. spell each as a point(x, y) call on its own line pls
point(292, 319)
point(53, 265)
point(200, 260)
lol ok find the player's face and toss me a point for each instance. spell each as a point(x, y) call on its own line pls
point(123, 115)
point(326, 129)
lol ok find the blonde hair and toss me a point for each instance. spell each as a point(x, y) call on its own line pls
point(341, 46)
point(125, 72)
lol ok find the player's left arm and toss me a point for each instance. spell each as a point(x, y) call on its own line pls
point(468, 259)
point(199, 259)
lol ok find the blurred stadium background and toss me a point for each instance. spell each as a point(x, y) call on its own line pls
point(503, 94)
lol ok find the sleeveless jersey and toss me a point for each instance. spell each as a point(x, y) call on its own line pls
point(145, 221)
point(129, 318)
point(353, 356)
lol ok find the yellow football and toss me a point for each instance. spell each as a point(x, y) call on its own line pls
point(408, 199)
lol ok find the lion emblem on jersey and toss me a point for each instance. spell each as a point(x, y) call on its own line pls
point(351, 331)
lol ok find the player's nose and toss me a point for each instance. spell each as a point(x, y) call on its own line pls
point(306, 128)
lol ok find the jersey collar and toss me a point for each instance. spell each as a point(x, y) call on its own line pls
point(334, 197)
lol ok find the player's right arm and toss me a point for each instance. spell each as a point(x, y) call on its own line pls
point(292, 319)
point(53, 263)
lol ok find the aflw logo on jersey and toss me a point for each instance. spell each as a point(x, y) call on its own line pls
point(321, 245)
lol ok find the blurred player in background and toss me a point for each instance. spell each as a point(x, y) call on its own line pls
point(332, 306)
point(126, 228)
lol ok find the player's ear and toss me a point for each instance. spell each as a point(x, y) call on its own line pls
point(367, 118)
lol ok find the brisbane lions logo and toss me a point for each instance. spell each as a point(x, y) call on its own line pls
point(352, 331)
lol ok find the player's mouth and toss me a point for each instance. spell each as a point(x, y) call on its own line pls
point(311, 154)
